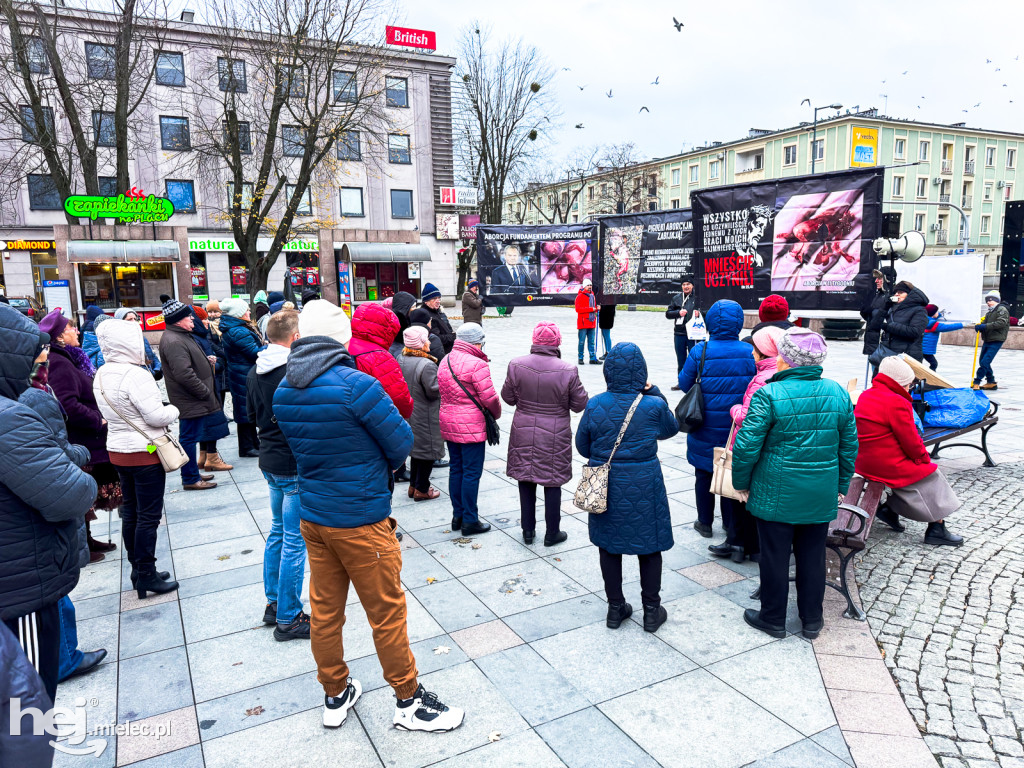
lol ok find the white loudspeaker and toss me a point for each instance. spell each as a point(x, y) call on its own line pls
point(908, 248)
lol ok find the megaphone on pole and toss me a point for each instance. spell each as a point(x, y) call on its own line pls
point(908, 248)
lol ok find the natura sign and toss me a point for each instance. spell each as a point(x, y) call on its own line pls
point(134, 206)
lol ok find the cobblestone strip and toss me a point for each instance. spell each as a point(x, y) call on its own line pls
point(950, 621)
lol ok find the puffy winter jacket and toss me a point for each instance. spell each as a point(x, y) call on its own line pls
point(586, 310)
point(891, 449)
point(21, 681)
point(241, 345)
point(345, 433)
point(637, 521)
point(930, 340)
point(766, 368)
point(373, 330)
point(461, 420)
point(996, 325)
point(797, 448)
point(903, 329)
point(130, 387)
point(73, 387)
point(472, 308)
point(43, 495)
point(728, 369)
point(91, 347)
point(264, 379)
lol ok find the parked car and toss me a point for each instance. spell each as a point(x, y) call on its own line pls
point(28, 305)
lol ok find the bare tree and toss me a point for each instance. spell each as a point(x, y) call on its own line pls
point(563, 184)
point(504, 109)
point(624, 184)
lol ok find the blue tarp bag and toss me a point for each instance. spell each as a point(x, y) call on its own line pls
point(955, 408)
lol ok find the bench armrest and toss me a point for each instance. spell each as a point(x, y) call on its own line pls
point(861, 516)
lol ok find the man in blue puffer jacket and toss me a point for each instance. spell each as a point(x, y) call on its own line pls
point(347, 438)
point(728, 368)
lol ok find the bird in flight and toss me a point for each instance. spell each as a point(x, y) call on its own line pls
point(579, 125)
point(997, 69)
point(656, 80)
point(609, 94)
point(905, 71)
point(643, 109)
point(566, 69)
point(978, 104)
point(677, 24)
point(988, 61)
point(581, 87)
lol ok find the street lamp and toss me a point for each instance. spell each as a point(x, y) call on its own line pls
point(814, 139)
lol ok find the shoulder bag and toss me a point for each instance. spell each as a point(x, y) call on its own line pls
point(721, 474)
point(172, 456)
point(690, 411)
point(491, 423)
point(592, 492)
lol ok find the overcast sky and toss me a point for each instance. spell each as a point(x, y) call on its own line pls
point(740, 64)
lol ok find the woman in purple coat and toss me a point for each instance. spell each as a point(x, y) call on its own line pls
point(543, 388)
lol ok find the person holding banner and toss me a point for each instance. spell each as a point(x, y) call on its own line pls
point(680, 310)
point(586, 320)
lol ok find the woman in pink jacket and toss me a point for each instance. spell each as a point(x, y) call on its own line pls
point(464, 370)
point(741, 537)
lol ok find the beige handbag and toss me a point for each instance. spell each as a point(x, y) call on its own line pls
point(592, 493)
point(721, 474)
point(172, 456)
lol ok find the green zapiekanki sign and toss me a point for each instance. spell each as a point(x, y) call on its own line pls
point(126, 209)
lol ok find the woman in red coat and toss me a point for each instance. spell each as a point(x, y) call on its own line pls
point(373, 331)
point(892, 452)
point(586, 320)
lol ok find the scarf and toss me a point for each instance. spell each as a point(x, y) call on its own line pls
point(418, 353)
point(40, 375)
point(80, 360)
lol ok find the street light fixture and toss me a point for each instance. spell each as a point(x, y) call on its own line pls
point(814, 139)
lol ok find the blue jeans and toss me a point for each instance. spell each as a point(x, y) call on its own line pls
point(590, 334)
point(284, 558)
point(606, 335)
point(188, 436)
point(464, 472)
point(70, 656)
point(989, 350)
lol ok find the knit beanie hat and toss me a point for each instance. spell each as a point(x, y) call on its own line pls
point(274, 296)
point(234, 308)
point(773, 309)
point(121, 312)
point(415, 337)
point(903, 287)
point(587, 282)
point(200, 313)
point(261, 298)
point(992, 295)
point(547, 334)
point(931, 309)
point(766, 340)
point(212, 306)
point(430, 292)
point(473, 284)
point(174, 311)
point(100, 319)
point(54, 323)
point(420, 316)
point(802, 346)
point(471, 333)
point(897, 369)
point(321, 318)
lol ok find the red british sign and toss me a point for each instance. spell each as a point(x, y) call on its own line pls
point(412, 38)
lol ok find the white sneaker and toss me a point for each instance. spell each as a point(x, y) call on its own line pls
point(427, 713)
point(336, 708)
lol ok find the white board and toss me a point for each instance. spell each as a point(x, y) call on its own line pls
point(953, 283)
point(57, 293)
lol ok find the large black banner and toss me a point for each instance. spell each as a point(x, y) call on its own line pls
point(534, 264)
point(644, 256)
point(807, 238)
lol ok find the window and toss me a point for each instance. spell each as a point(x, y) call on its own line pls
point(590, 193)
point(38, 63)
point(305, 206)
point(348, 146)
point(108, 186)
point(345, 86)
point(293, 140)
point(1011, 158)
point(990, 157)
point(713, 167)
point(174, 133)
point(675, 177)
point(988, 190)
point(398, 149)
point(897, 186)
point(899, 148)
point(100, 61)
point(293, 81)
point(919, 220)
point(246, 195)
point(396, 91)
point(170, 69)
point(789, 155)
point(694, 174)
point(30, 130)
point(986, 224)
point(1009, 192)
point(103, 129)
point(674, 202)
point(551, 201)
point(818, 149)
point(922, 187)
point(401, 204)
point(352, 201)
point(42, 193)
point(244, 138)
point(922, 150)
point(652, 206)
point(604, 190)
point(182, 194)
point(231, 75)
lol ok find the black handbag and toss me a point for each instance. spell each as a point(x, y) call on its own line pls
point(690, 411)
point(491, 423)
point(881, 352)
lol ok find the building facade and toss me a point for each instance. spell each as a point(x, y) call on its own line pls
point(368, 224)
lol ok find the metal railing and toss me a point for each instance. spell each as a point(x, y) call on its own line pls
point(942, 237)
point(965, 203)
point(947, 166)
point(969, 167)
point(943, 200)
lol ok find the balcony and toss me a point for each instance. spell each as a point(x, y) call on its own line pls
point(947, 166)
point(942, 237)
point(968, 167)
point(943, 201)
point(965, 203)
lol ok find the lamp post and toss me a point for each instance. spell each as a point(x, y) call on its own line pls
point(814, 138)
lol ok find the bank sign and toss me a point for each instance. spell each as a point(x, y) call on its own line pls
point(412, 38)
point(134, 206)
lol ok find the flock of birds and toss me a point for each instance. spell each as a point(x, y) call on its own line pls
point(976, 105)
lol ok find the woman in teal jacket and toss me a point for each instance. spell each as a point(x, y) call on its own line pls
point(794, 456)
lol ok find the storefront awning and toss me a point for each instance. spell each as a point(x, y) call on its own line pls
point(363, 252)
point(119, 251)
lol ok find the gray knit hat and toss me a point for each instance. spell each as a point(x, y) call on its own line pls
point(471, 333)
point(802, 346)
point(100, 319)
point(174, 311)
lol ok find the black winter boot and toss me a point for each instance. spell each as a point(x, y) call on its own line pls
point(151, 582)
point(937, 534)
point(654, 616)
point(890, 518)
point(165, 575)
point(618, 613)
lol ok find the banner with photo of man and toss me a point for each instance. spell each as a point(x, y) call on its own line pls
point(644, 256)
point(806, 238)
point(534, 264)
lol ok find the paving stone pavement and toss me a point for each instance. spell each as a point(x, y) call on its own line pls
point(528, 654)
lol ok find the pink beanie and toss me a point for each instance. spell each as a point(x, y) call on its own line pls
point(767, 339)
point(547, 334)
point(415, 336)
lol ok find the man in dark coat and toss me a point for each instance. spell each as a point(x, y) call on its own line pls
point(904, 327)
point(473, 303)
point(680, 312)
point(431, 301)
point(875, 307)
point(39, 521)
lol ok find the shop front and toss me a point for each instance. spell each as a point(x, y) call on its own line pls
point(132, 273)
point(218, 267)
point(25, 265)
point(377, 271)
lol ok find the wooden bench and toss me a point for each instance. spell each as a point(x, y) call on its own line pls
point(849, 532)
point(936, 437)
